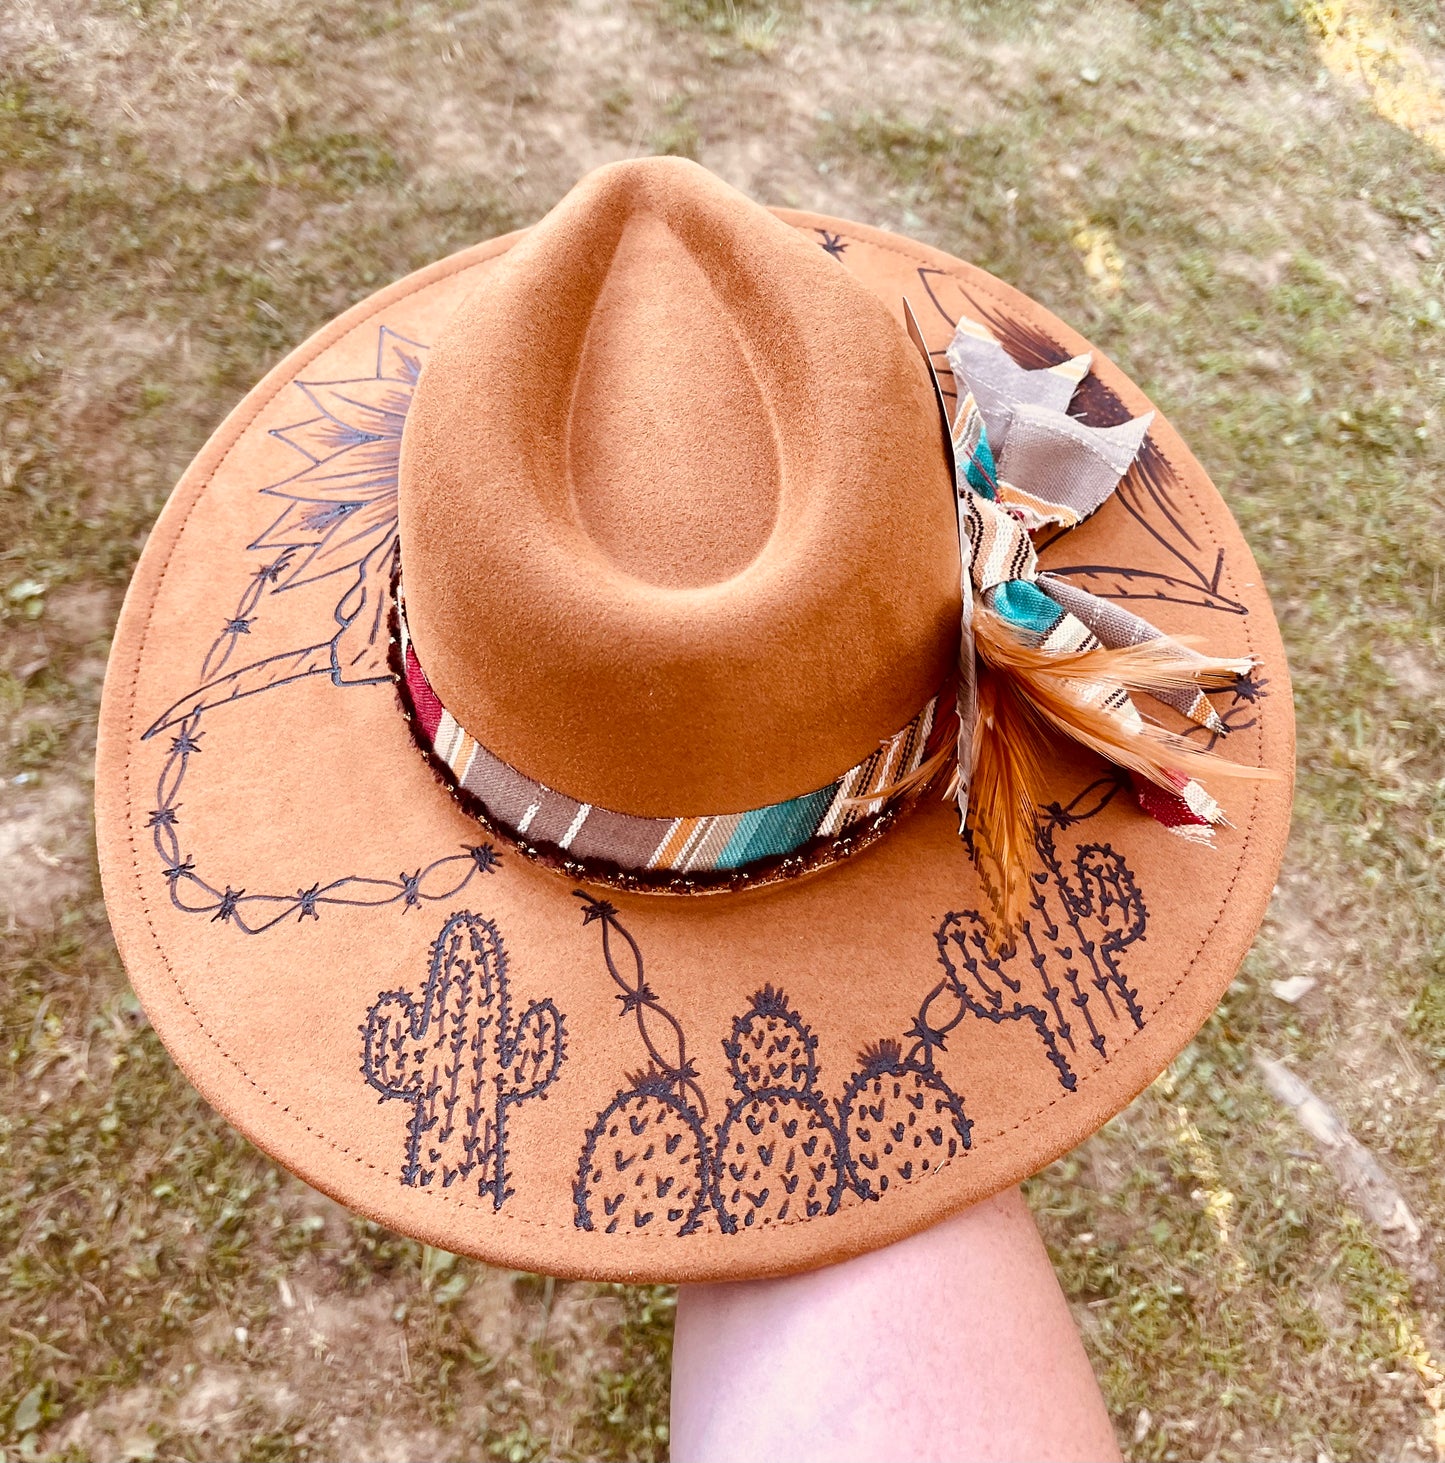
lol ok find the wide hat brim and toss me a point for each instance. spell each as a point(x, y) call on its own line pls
point(633, 1087)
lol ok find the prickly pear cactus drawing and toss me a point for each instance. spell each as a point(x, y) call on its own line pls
point(782, 1152)
point(1061, 973)
point(646, 1161)
point(777, 1148)
point(901, 1120)
point(456, 1057)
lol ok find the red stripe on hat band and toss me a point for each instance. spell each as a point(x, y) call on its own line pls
point(424, 700)
point(1166, 807)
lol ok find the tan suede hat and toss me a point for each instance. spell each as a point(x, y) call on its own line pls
point(625, 561)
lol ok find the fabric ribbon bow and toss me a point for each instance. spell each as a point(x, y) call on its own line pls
point(1038, 654)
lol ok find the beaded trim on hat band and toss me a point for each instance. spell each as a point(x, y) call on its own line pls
point(683, 855)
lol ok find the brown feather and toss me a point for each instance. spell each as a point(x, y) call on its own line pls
point(919, 778)
point(1011, 752)
point(1025, 697)
point(1032, 689)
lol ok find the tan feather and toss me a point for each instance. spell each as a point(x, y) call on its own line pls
point(943, 759)
point(1057, 686)
point(1026, 697)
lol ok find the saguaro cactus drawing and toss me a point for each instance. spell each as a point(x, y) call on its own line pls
point(454, 1054)
point(900, 1118)
point(1081, 921)
point(777, 1149)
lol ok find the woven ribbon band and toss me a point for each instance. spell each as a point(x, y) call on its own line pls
point(679, 854)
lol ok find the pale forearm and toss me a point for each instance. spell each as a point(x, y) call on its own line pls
point(954, 1344)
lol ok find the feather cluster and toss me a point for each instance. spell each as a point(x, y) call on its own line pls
point(1041, 660)
point(1027, 696)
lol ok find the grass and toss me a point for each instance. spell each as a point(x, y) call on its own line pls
point(186, 192)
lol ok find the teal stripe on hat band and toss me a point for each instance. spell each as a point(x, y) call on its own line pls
point(1024, 604)
point(981, 470)
point(781, 828)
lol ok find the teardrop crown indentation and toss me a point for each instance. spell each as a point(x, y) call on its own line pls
point(673, 466)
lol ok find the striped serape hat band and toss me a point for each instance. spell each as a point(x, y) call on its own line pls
point(683, 854)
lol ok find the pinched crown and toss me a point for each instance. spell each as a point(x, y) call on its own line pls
point(669, 538)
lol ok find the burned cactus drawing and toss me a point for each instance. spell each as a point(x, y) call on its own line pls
point(1060, 974)
point(783, 1152)
point(646, 1160)
point(454, 1054)
point(777, 1148)
point(900, 1119)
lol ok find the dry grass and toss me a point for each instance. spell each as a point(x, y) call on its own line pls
point(187, 190)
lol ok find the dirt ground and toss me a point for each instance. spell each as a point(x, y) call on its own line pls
point(1243, 204)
